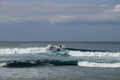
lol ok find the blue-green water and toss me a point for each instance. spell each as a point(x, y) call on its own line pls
point(87, 61)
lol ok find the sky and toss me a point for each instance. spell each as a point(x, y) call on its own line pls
point(59, 20)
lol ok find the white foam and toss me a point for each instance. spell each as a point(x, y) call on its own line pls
point(94, 64)
point(22, 50)
point(94, 54)
point(3, 64)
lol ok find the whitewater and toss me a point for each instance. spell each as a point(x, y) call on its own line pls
point(75, 54)
point(35, 50)
point(29, 50)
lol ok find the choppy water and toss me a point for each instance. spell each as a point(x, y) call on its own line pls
point(80, 60)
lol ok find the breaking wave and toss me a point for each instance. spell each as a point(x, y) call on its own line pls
point(67, 57)
point(94, 54)
point(94, 64)
point(75, 53)
point(22, 50)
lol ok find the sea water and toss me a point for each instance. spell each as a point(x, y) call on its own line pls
point(80, 61)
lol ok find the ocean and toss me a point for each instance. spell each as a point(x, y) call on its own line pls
point(31, 60)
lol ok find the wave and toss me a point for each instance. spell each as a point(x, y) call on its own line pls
point(66, 52)
point(75, 53)
point(94, 64)
point(32, 50)
point(93, 54)
point(13, 64)
point(38, 63)
point(22, 50)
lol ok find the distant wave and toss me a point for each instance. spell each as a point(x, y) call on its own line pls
point(94, 64)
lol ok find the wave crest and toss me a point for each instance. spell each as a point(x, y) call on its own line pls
point(93, 54)
point(22, 50)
